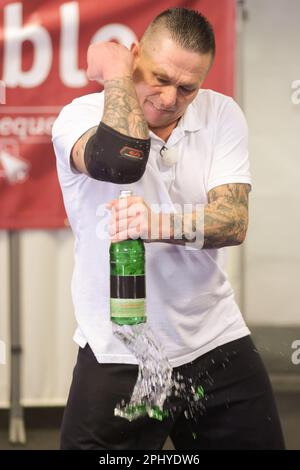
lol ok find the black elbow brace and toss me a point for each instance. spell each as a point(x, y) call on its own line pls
point(114, 157)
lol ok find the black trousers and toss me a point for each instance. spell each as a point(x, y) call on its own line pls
point(238, 409)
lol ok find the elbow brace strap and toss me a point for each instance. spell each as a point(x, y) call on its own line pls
point(114, 157)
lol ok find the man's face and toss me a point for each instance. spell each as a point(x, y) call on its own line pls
point(167, 79)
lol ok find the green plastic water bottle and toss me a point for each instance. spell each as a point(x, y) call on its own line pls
point(127, 280)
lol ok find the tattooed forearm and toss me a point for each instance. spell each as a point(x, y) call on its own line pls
point(222, 222)
point(226, 215)
point(122, 110)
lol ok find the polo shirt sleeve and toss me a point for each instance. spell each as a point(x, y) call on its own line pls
point(230, 160)
point(73, 121)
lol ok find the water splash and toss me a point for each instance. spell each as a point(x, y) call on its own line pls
point(156, 379)
point(154, 382)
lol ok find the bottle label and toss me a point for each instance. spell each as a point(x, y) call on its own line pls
point(127, 308)
point(127, 287)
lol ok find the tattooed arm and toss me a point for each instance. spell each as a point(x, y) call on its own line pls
point(224, 220)
point(226, 215)
point(111, 64)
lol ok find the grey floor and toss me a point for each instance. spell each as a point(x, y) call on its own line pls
point(47, 438)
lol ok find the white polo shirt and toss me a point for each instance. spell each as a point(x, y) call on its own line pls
point(190, 303)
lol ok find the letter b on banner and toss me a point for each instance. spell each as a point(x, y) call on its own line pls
point(39, 37)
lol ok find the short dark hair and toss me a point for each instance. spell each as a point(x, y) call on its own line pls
point(189, 28)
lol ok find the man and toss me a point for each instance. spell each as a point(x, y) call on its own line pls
point(155, 131)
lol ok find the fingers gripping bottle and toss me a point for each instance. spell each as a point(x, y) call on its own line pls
point(127, 280)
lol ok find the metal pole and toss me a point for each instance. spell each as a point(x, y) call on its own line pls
point(16, 419)
point(241, 18)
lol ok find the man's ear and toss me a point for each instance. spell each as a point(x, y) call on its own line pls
point(135, 49)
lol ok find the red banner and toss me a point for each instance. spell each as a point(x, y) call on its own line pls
point(42, 67)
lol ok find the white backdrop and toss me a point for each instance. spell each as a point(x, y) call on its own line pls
point(272, 64)
point(47, 317)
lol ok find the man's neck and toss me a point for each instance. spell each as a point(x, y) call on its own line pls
point(164, 132)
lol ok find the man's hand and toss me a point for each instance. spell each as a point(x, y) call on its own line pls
point(132, 218)
point(107, 61)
